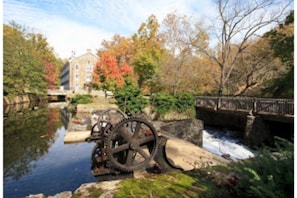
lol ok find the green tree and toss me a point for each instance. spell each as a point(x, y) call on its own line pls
point(23, 70)
point(146, 65)
point(130, 99)
point(29, 64)
point(148, 51)
point(282, 43)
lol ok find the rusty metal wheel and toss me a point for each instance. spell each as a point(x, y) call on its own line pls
point(112, 115)
point(132, 144)
point(106, 120)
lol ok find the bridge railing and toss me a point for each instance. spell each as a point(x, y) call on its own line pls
point(252, 105)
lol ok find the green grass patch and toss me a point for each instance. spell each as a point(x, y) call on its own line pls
point(169, 185)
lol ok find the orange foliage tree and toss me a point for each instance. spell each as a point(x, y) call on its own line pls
point(108, 75)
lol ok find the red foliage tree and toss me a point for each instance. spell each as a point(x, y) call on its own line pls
point(108, 74)
point(51, 74)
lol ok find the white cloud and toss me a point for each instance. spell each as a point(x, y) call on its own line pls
point(79, 25)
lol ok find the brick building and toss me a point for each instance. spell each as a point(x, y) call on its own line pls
point(77, 72)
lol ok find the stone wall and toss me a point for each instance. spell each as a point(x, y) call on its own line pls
point(19, 103)
point(22, 99)
point(190, 130)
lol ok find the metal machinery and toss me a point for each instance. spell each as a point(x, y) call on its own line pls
point(123, 144)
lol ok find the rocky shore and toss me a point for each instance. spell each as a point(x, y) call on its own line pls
point(180, 153)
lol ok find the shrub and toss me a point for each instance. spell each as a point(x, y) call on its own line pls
point(81, 99)
point(270, 174)
point(130, 99)
point(165, 102)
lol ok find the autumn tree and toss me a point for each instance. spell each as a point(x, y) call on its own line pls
point(180, 69)
point(108, 74)
point(148, 50)
point(52, 65)
point(121, 48)
point(29, 64)
point(254, 68)
point(237, 23)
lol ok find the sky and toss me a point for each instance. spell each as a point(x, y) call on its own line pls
point(78, 25)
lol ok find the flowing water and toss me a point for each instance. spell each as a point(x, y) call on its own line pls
point(225, 143)
point(36, 160)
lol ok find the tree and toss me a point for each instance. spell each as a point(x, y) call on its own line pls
point(119, 47)
point(108, 74)
point(29, 64)
point(238, 22)
point(148, 51)
point(254, 68)
point(281, 40)
point(23, 70)
point(52, 65)
point(147, 36)
point(179, 68)
point(146, 65)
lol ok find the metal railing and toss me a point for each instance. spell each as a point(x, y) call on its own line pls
point(283, 107)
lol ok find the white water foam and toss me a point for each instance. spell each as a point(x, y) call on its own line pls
point(222, 143)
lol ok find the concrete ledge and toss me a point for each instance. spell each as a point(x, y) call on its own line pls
point(76, 136)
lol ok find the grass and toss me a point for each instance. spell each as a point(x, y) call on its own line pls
point(165, 185)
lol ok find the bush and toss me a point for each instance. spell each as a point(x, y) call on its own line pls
point(165, 102)
point(129, 98)
point(270, 174)
point(81, 99)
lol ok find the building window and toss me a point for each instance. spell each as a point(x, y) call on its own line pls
point(77, 67)
point(89, 78)
point(76, 76)
point(89, 68)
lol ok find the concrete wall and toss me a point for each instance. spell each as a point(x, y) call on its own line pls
point(255, 130)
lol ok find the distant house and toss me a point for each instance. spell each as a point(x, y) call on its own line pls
point(77, 72)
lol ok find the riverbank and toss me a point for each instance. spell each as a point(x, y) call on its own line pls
point(180, 153)
point(110, 188)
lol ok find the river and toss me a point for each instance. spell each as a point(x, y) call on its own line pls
point(36, 160)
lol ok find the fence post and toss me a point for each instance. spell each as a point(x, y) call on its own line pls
point(254, 106)
point(218, 103)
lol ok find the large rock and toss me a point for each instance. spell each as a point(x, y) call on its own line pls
point(187, 156)
point(190, 130)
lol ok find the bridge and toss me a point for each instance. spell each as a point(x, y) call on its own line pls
point(254, 106)
point(259, 118)
point(57, 95)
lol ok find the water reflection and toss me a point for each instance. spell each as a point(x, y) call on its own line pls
point(36, 160)
point(27, 137)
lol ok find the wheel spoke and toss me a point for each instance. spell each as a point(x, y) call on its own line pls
point(129, 158)
point(120, 148)
point(142, 153)
point(137, 130)
point(146, 139)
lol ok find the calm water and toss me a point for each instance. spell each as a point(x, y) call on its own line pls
point(36, 160)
